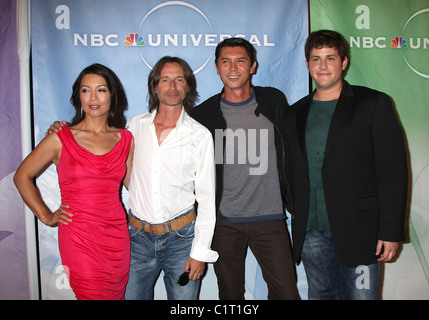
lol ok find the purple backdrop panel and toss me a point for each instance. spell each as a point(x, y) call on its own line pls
point(13, 271)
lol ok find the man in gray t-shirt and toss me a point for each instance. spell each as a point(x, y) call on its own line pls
point(251, 188)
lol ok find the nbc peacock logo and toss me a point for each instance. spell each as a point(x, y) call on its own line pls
point(399, 43)
point(134, 40)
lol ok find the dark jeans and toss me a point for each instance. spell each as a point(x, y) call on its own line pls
point(270, 244)
point(328, 279)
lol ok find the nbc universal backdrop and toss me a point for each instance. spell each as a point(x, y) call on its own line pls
point(129, 37)
point(389, 44)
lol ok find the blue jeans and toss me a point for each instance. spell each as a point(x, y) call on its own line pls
point(150, 254)
point(328, 279)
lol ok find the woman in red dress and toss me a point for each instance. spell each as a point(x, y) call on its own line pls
point(93, 158)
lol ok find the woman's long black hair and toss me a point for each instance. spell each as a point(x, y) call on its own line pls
point(118, 98)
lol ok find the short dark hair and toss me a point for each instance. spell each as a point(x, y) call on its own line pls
point(327, 38)
point(155, 76)
point(237, 42)
point(118, 98)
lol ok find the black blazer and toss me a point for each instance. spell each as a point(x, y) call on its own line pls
point(365, 174)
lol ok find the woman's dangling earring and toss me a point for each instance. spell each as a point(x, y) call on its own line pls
point(81, 112)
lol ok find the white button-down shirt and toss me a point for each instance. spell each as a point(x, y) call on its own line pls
point(167, 178)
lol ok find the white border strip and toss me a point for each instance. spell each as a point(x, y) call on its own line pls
point(24, 40)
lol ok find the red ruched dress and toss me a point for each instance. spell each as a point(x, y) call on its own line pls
point(95, 246)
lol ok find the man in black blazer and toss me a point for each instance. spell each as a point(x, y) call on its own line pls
point(349, 177)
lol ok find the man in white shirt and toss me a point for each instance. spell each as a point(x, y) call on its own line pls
point(173, 167)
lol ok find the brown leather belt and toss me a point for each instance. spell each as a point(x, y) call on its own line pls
point(163, 228)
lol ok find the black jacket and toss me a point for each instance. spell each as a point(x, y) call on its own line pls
point(272, 104)
point(364, 173)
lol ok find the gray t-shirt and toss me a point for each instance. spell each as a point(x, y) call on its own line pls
point(251, 183)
